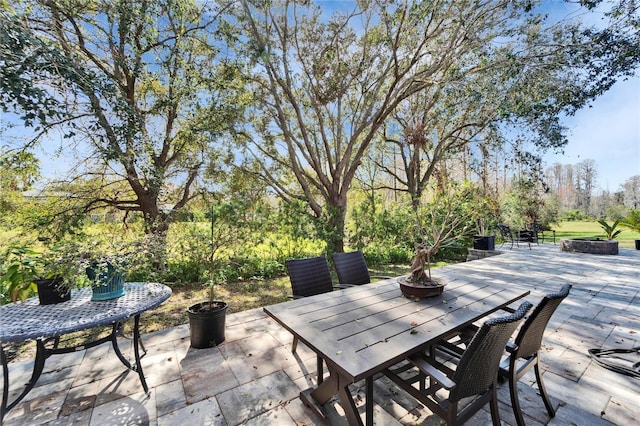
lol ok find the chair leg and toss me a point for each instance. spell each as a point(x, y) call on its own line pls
point(543, 391)
point(513, 391)
point(495, 412)
point(452, 413)
point(294, 345)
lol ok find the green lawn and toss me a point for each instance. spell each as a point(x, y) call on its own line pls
point(592, 229)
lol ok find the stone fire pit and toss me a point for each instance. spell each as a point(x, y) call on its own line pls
point(589, 245)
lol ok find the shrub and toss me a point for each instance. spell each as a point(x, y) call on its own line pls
point(574, 215)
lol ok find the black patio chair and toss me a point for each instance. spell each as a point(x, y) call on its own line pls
point(309, 276)
point(352, 268)
point(520, 237)
point(538, 233)
point(523, 351)
point(476, 373)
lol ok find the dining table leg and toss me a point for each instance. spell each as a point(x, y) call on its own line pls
point(369, 400)
point(338, 385)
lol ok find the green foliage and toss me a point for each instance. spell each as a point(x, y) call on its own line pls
point(549, 212)
point(19, 270)
point(383, 255)
point(616, 211)
point(522, 204)
point(632, 220)
point(24, 56)
point(144, 89)
point(391, 226)
point(610, 230)
point(486, 210)
point(294, 226)
point(575, 215)
point(22, 265)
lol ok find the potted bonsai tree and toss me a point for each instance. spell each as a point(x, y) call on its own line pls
point(440, 223)
point(207, 318)
point(632, 221)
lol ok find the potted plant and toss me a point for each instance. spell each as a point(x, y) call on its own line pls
point(107, 264)
point(207, 319)
point(486, 209)
point(632, 221)
point(441, 223)
point(612, 230)
point(482, 240)
point(51, 273)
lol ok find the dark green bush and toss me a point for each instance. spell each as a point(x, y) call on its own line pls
point(574, 215)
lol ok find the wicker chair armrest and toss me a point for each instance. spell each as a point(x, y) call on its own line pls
point(511, 347)
point(432, 371)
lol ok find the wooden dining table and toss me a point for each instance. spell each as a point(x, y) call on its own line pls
point(362, 330)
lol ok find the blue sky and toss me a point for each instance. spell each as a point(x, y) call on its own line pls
point(609, 134)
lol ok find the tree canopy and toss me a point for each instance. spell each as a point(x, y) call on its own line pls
point(142, 84)
point(157, 97)
point(327, 84)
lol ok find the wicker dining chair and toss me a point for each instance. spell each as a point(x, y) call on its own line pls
point(476, 373)
point(523, 351)
point(309, 276)
point(352, 268)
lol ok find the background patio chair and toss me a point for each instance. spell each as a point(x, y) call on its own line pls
point(508, 235)
point(309, 276)
point(352, 268)
point(537, 233)
point(525, 348)
point(476, 372)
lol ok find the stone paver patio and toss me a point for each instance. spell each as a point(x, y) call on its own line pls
point(254, 379)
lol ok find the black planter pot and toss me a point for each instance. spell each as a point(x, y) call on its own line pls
point(51, 291)
point(484, 242)
point(637, 244)
point(207, 326)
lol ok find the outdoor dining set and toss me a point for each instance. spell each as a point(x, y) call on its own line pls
point(447, 351)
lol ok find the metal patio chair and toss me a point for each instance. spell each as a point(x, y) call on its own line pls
point(508, 235)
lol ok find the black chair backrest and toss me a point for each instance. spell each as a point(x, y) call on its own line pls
point(478, 367)
point(505, 231)
point(309, 276)
point(529, 338)
point(351, 268)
